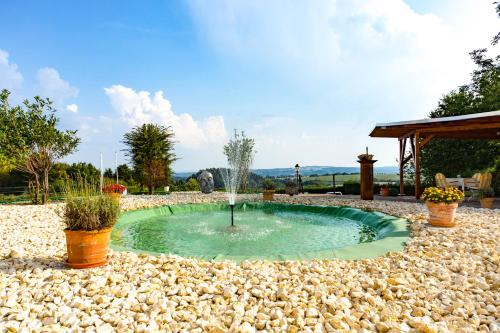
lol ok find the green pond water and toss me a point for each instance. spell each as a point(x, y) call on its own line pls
point(258, 232)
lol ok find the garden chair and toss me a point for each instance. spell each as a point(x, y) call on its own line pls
point(474, 182)
point(478, 182)
point(485, 180)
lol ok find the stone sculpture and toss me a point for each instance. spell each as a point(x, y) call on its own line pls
point(206, 180)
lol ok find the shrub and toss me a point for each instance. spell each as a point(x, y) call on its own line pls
point(268, 185)
point(484, 193)
point(393, 192)
point(352, 188)
point(446, 195)
point(192, 185)
point(291, 188)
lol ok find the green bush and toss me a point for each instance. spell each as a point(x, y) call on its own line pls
point(291, 188)
point(268, 184)
point(393, 192)
point(192, 185)
point(484, 193)
point(352, 188)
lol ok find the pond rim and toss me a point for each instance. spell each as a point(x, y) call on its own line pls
point(393, 231)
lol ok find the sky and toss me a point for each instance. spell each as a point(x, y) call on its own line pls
point(308, 80)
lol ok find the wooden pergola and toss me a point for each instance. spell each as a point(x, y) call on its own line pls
point(419, 133)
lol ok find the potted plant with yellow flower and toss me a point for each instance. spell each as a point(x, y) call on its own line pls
point(442, 204)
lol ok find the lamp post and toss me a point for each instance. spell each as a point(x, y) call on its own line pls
point(298, 179)
point(297, 169)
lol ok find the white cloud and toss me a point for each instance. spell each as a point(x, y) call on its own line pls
point(10, 77)
point(377, 49)
point(360, 62)
point(72, 108)
point(138, 107)
point(51, 85)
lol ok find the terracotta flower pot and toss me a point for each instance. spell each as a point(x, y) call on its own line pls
point(384, 191)
point(87, 248)
point(441, 214)
point(268, 195)
point(486, 202)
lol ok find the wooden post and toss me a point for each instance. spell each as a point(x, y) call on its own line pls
point(401, 167)
point(366, 176)
point(417, 165)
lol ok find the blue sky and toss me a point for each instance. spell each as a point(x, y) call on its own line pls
point(308, 80)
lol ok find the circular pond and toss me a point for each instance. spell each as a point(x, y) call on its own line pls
point(260, 231)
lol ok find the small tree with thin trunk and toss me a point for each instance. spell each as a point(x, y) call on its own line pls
point(151, 150)
point(154, 174)
point(30, 140)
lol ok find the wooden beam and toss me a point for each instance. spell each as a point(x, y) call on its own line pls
point(407, 135)
point(412, 144)
point(426, 140)
point(407, 159)
point(417, 165)
point(402, 145)
point(403, 150)
point(464, 128)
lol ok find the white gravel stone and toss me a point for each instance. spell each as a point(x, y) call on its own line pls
point(445, 280)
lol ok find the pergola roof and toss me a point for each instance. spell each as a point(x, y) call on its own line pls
point(485, 125)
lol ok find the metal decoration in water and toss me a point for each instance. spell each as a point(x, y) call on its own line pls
point(231, 177)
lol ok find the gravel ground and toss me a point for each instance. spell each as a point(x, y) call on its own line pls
point(446, 280)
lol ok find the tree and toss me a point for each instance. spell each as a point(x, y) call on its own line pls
point(239, 151)
point(108, 173)
point(125, 173)
point(154, 174)
point(84, 171)
point(30, 140)
point(59, 171)
point(151, 151)
point(192, 185)
point(482, 94)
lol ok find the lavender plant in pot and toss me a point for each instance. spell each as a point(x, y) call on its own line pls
point(89, 217)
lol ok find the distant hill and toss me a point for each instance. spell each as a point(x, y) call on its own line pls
point(305, 171)
point(319, 170)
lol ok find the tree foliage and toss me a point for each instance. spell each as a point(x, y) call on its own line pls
point(108, 172)
point(86, 172)
point(192, 185)
point(482, 94)
point(151, 151)
point(30, 140)
point(125, 173)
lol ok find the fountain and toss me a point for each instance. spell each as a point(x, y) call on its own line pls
point(268, 231)
point(239, 153)
point(232, 179)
